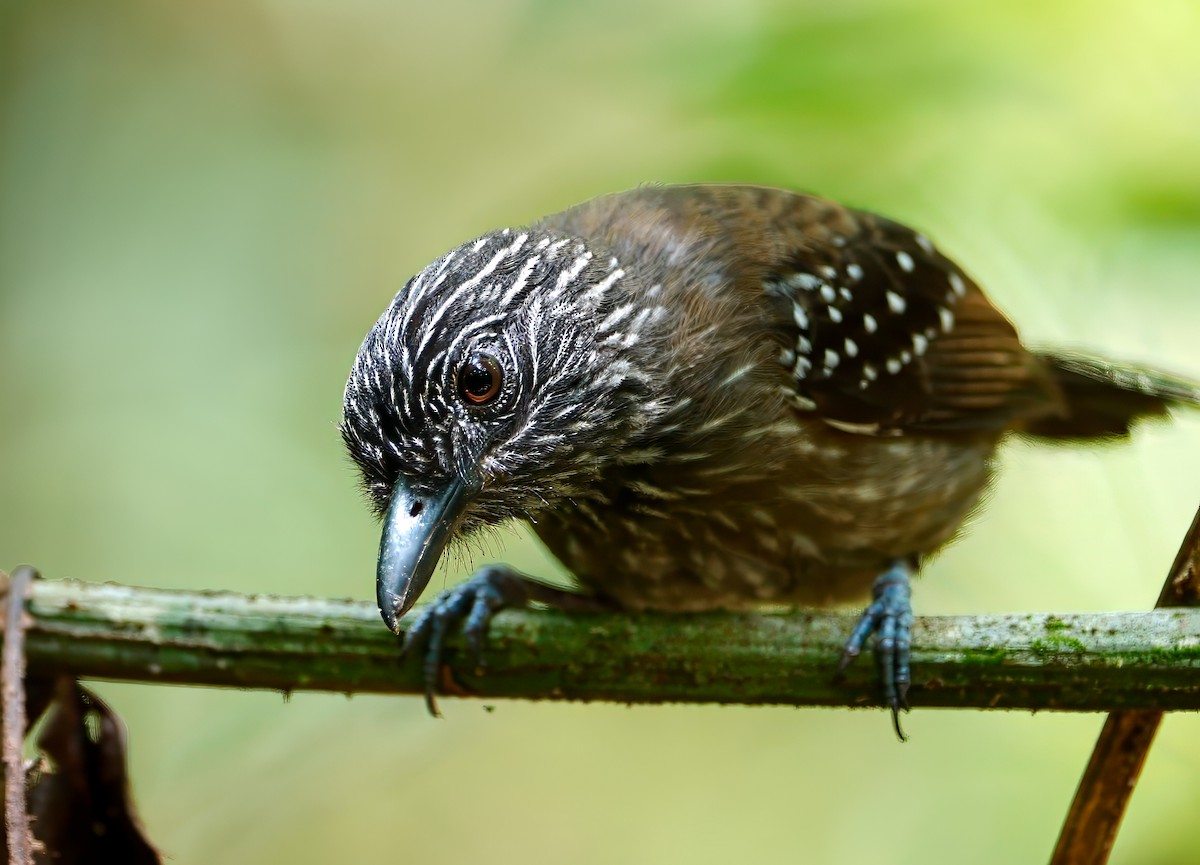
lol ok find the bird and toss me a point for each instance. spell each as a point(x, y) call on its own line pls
point(703, 397)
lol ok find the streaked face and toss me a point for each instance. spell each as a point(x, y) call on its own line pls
point(479, 393)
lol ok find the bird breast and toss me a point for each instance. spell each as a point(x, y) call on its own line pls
point(762, 505)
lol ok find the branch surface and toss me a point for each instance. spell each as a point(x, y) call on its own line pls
point(1072, 662)
point(1090, 828)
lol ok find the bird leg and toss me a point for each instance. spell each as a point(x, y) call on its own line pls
point(889, 618)
point(474, 603)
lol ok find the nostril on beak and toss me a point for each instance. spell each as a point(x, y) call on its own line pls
point(417, 507)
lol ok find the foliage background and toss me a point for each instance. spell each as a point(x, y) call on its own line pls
point(203, 206)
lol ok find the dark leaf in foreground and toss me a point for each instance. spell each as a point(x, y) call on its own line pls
point(78, 788)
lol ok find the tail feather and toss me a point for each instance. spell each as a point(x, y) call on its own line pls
point(1104, 399)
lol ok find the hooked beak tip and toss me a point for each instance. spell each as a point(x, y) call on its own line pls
point(391, 617)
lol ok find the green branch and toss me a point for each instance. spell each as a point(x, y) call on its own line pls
point(1083, 662)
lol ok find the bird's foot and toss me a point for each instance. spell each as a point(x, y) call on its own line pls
point(473, 604)
point(889, 618)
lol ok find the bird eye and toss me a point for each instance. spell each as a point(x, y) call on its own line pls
point(479, 379)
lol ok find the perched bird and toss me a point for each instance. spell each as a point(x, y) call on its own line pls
point(702, 397)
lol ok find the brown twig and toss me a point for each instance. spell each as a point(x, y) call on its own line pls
point(1091, 825)
point(16, 817)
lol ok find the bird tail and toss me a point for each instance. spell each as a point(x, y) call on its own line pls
point(1103, 399)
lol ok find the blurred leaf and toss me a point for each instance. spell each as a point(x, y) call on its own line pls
point(78, 788)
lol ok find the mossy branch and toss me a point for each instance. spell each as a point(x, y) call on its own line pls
point(1077, 662)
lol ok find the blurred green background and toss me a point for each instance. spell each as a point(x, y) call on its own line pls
point(203, 206)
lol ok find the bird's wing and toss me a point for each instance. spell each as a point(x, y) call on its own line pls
point(881, 332)
point(885, 334)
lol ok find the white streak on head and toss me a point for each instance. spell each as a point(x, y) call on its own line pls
point(471, 330)
point(597, 291)
point(519, 283)
point(569, 275)
point(421, 285)
point(429, 325)
point(614, 317)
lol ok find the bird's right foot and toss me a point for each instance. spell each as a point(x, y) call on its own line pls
point(473, 604)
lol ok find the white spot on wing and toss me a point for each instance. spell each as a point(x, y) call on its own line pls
point(947, 319)
point(856, 428)
point(806, 281)
point(905, 261)
point(895, 302)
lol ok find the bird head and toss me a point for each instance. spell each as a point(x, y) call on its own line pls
point(501, 380)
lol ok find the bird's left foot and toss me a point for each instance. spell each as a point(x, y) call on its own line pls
point(474, 603)
point(889, 618)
